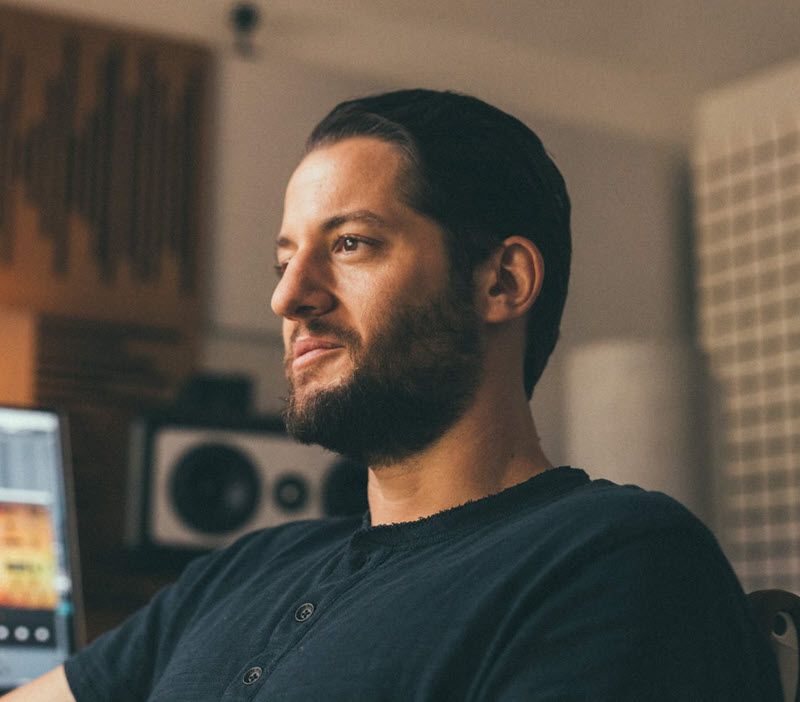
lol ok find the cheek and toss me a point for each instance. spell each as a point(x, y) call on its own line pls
point(377, 303)
point(360, 291)
point(421, 277)
point(373, 295)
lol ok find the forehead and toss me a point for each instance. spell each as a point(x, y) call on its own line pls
point(359, 173)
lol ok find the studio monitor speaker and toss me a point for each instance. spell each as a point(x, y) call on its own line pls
point(198, 485)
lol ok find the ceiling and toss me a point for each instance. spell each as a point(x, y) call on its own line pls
point(631, 67)
point(636, 67)
point(702, 43)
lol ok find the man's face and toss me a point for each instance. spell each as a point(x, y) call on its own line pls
point(382, 343)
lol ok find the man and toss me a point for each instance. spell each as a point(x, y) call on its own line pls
point(423, 261)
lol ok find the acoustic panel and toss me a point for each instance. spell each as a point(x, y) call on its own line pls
point(747, 192)
point(102, 140)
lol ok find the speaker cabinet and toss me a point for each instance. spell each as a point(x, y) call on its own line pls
point(198, 485)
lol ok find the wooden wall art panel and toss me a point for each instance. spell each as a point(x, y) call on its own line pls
point(101, 170)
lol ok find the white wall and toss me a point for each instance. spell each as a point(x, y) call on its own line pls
point(631, 273)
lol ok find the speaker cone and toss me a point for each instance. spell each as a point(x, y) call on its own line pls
point(215, 488)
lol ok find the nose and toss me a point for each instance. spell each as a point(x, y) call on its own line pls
point(303, 290)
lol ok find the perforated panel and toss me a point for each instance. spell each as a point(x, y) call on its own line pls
point(747, 191)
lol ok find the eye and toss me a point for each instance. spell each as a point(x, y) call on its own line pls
point(347, 243)
point(280, 268)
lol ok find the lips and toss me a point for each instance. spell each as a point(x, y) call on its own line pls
point(307, 349)
point(308, 344)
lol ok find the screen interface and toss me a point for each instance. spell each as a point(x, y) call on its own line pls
point(36, 611)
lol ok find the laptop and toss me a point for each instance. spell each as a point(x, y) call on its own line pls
point(41, 619)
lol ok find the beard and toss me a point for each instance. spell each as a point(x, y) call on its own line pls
point(407, 388)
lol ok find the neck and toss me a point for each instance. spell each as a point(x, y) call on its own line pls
point(493, 446)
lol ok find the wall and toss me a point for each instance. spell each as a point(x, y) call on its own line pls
point(629, 273)
point(747, 188)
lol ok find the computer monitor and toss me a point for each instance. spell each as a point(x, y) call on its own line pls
point(41, 620)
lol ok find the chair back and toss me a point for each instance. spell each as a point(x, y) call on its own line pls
point(778, 616)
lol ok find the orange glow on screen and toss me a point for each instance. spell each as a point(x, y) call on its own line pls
point(27, 557)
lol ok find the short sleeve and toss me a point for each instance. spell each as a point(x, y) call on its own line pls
point(121, 664)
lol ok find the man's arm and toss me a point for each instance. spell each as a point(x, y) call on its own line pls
point(50, 687)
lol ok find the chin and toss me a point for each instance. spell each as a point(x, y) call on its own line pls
point(304, 388)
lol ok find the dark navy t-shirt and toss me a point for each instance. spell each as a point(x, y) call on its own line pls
point(560, 588)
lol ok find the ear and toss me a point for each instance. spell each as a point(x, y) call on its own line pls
point(508, 283)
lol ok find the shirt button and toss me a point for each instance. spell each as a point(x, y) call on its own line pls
point(304, 612)
point(252, 675)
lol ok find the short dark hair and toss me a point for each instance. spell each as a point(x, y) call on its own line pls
point(482, 175)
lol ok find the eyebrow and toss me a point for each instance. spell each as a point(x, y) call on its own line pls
point(361, 216)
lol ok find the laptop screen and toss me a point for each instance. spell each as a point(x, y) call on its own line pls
point(39, 612)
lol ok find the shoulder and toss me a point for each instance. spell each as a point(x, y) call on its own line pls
point(597, 519)
point(601, 506)
point(631, 589)
point(618, 537)
point(637, 503)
